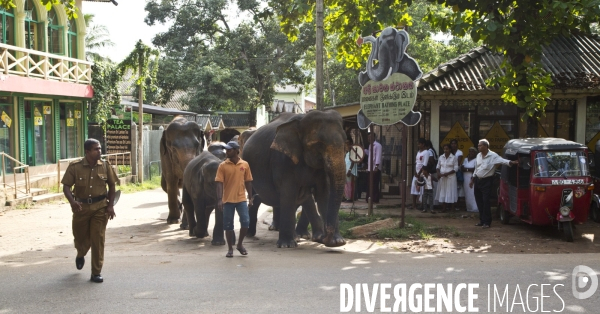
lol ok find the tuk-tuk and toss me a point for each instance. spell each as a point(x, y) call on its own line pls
point(551, 186)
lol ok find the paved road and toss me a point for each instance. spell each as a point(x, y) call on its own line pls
point(155, 268)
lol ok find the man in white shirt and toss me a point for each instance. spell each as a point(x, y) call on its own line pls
point(376, 169)
point(482, 178)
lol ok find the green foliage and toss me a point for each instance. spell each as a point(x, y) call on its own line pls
point(151, 184)
point(105, 82)
point(220, 67)
point(70, 7)
point(96, 37)
point(138, 61)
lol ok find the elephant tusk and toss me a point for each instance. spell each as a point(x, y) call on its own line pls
point(388, 75)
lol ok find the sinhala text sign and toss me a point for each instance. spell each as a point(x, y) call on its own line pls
point(118, 139)
point(388, 101)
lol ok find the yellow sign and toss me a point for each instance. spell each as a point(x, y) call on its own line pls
point(38, 121)
point(592, 143)
point(70, 122)
point(541, 131)
point(47, 110)
point(7, 120)
point(457, 132)
point(77, 114)
point(497, 138)
point(36, 112)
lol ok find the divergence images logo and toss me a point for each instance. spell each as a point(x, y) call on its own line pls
point(581, 277)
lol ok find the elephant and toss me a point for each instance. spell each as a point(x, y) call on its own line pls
point(181, 141)
point(199, 196)
point(389, 49)
point(217, 149)
point(292, 159)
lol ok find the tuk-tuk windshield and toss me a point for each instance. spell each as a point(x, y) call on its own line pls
point(561, 164)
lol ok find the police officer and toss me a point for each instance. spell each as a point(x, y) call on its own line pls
point(91, 205)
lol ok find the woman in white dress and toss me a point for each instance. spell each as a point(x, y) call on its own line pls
point(459, 158)
point(446, 170)
point(467, 168)
point(420, 160)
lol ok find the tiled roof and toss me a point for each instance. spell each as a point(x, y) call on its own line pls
point(215, 121)
point(236, 119)
point(574, 63)
point(203, 119)
point(178, 101)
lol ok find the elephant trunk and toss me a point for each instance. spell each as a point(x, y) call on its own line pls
point(336, 179)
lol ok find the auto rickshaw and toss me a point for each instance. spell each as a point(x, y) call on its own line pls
point(551, 186)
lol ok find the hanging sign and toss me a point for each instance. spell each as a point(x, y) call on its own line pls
point(118, 138)
point(77, 114)
point(592, 143)
point(47, 110)
point(70, 122)
point(6, 119)
point(388, 88)
point(38, 121)
point(458, 133)
point(497, 138)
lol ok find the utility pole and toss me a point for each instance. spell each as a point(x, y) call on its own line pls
point(140, 154)
point(319, 53)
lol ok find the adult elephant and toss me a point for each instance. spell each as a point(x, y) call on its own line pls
point(293, 158)
point(199, 197)
point(181, 141)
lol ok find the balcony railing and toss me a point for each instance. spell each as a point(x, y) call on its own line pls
point(32, 63)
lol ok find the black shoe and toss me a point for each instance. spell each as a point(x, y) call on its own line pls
point(485, 226)
point(479, 225)
point(79, 262)
point(97, 278)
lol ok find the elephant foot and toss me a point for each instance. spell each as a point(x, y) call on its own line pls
point(218, 242)
point(303, 234)
point(172, 221)
point(318, 237)
point(183, 226)
point(200, 233)
point(286, 243)
point(333, 240)
point(273, 227)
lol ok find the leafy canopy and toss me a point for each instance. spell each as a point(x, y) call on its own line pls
point(70, 7)
point(138, 61)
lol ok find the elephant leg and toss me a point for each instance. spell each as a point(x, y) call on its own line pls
point(184, 217)
point(287, 222)
point(253, 210)
point(218, 234)
point(309, 214)
point(275, 223)
point(201, 214)
point(173, 195)
point(188, 206)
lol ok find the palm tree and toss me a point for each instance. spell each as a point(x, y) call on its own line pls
point(97, 37)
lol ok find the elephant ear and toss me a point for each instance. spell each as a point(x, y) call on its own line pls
point(163, 144)
point(401, 42)
point(288, 141)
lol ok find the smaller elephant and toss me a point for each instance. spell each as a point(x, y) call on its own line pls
point(199, 197)
point(217, 149)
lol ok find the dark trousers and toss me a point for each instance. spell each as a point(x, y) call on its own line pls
point(427, 200)
point(376, 181)
point(483, 193)
point(89, 227)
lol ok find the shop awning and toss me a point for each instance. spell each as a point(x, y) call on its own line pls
point(157, 110)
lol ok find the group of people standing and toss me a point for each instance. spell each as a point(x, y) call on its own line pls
point(456, 177)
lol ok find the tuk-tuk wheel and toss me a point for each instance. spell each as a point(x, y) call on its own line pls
point(567, 227)
point(504, 215)
point(595, 212)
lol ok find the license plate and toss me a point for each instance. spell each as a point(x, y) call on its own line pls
point(567, 181)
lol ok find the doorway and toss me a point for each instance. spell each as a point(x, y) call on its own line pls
point(39, 132)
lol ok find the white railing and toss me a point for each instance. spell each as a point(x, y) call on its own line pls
point(32, 63)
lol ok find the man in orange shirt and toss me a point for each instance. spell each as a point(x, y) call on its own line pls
point(232, 177)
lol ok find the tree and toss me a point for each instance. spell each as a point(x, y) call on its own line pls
point(221, 67)
point(70, 7)
point(97, 37)
point(519, 28)
point(105, 82)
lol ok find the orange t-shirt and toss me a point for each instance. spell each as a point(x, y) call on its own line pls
point(234, 177)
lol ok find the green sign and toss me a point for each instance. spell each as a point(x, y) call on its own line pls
point(118, 139)
point(387, 102)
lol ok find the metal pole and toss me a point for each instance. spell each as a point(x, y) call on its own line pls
point(403, 173)
point(319, 53)
point(371, 172)
point(4, 171)
point(140, 178)
point(58, 170)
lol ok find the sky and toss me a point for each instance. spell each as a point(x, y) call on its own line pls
point(125, 23)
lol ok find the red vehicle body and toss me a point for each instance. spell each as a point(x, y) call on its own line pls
point(551, 186)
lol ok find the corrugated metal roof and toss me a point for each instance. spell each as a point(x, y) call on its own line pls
point(574, 63)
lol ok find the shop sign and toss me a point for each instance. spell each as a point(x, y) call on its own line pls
point(6, 119)
point(47, 110)
point(70, 122)
point(497, 138)
point(38, 121)
point(118, 138)
point(592, 143)
point(458, 133)
point(388, 88)
point(36, 112)
point(77, 114)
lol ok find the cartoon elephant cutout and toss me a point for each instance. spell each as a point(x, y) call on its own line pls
point(389, 49)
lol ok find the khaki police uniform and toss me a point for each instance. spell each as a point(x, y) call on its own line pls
point(89, 224)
